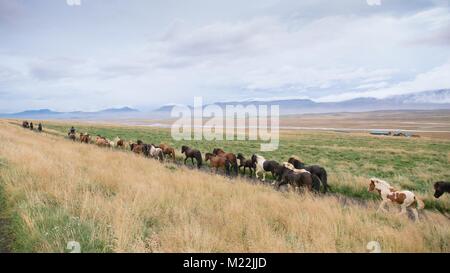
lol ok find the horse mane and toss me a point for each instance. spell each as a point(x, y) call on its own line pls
point(259, 157)
point(288, 166)
point(382, 182)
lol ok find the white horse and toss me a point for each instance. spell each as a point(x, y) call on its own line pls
point(405, 199)
point(156, 153)
point(259, 162)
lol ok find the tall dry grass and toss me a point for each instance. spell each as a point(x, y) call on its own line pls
point(116, 201)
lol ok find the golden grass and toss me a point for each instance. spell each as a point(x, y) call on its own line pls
point(139, 205)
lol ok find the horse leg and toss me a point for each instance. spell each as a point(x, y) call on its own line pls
point(403, 210)
point(264, 177)
point(416, 214)
point(192, 160)
point(381, 207)
point(185, 160)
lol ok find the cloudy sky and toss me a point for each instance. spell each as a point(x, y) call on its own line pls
point(145, 53)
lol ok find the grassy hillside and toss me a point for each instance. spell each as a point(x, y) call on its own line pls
point(113, 201)
point(350, 159)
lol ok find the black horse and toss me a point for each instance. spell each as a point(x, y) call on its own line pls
point(246, 163)
point(295, 179)
point(40, 127)
point(31, 126)
point(313, 169)
point(192, 153)
point(440, 188)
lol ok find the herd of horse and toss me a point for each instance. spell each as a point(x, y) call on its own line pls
point(292, 173)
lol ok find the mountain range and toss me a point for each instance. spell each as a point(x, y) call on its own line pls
point(426, 100)
point(49, 114)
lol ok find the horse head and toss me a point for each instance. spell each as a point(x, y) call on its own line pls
point(184, 149)
point(378, 184)
point(217, 151)
point(439, 189)
point(208, 156)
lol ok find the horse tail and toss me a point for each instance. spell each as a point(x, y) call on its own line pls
point(199, 160)
point(235, 167)
point(173, 155)
point(420, 203)
point(324, 179)
point(316, 181)
point(227, 167)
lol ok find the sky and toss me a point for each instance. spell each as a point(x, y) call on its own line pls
point(147, 53)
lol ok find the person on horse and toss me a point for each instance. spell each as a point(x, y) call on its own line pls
point(40, 127)
point(72, 130)
point(31, 126)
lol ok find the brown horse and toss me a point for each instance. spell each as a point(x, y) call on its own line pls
point(85, 138)
point(192, 153)
point(137, 148)
point(102, 141)
point(167, 150)
point(218, 162)
point(72, 136)
point(25, 124)
point(230, 157)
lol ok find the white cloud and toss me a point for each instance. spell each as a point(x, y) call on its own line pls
point(435, 79)
point(259, 56)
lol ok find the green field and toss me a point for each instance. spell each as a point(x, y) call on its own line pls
point(350, 159)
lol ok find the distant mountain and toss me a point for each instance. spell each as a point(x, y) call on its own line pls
point(119, 110)
point(124, 112)
point(427, 100)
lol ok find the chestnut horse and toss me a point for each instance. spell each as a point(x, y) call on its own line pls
point(230, 157)
point(218, 162)
point(167, 150)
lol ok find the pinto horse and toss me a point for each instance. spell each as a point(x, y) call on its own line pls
point(218, 162)
point(246, 163)
point(153, 152)
point(25, 124)
point(118, 142)
point(317, 170)
point(405, 199)
point(440, 188)
point(263, 166)
point(230, 157)
point(167, 150)
point(192, 153)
